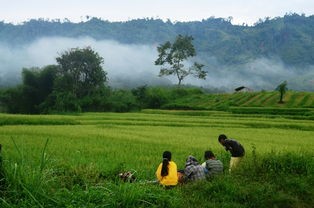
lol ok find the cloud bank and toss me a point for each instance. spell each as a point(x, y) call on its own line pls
point(133, 65)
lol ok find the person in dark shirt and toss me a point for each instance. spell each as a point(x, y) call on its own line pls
point(235, 148)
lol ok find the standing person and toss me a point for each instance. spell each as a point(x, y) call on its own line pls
point(193, 170)
point(167, 171)
point(212, 166)
point(235, 148)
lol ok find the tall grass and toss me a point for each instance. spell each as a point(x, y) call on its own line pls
point(78, 165)
point(271, 180)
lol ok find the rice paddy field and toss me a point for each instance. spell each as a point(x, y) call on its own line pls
point(74, 160)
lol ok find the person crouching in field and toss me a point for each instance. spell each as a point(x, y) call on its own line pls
point(167, 171)
point(193, 170)
point(212, 166)
point(235, 148)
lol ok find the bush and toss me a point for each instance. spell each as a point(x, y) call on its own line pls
point(122, 101)
point(156, 97)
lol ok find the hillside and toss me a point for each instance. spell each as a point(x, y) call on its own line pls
point(259, 56)
point(289, 38)
point(249, 102)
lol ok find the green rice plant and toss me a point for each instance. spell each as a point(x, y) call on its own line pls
point(6, 119)
point(294, 99)
point(78, 165)
point(270, 110)
point(251, 102)
point(288, 163)
point(264, 99)
point(245, 97)
point(310, 102)
point(25, 182)
point(272, 100)
point(305, 100)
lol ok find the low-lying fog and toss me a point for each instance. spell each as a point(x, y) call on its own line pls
point(133, 65)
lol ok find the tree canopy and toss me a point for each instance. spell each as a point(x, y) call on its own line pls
point(282, 88)
point(171, 57)
point(77, 82)
point(80, 72)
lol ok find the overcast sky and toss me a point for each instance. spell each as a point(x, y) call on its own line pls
point(242, 11)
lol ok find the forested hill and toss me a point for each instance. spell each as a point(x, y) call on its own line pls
point(289, 38)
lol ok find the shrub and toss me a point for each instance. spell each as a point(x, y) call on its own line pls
point(122, 101)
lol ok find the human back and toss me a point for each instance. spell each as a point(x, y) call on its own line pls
point(212, 165)
point(235, 148)
point(193, 170)
point(166, 172)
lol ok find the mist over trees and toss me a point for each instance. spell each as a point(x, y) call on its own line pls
point(30, 96)
point(290, 37)
point(76, 83)
point(256, 56)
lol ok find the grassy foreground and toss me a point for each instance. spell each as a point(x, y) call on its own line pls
point(73, 160)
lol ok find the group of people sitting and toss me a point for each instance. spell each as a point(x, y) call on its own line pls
point(168, 175)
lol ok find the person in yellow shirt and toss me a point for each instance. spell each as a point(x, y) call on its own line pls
point(167, 173)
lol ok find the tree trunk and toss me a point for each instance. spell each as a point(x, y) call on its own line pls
point(281, 98)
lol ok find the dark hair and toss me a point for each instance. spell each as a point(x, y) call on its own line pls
point(222, 137)
point(208, 154)
point(165, 162)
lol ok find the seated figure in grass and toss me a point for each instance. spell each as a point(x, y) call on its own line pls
point(193, 171)
point(212, 166)
point(166, 173)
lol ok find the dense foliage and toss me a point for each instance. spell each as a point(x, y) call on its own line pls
point(23, 99)
point(289, 38)
point(76, 83)
point(29, 97)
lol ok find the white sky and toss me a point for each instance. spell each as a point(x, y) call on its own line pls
point(242, 11)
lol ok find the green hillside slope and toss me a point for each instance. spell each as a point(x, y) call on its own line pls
point(295, 103)
point(289, 38)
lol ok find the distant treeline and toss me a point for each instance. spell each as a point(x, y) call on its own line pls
point(38, 98)
point(289, 38)
point(78, 83)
